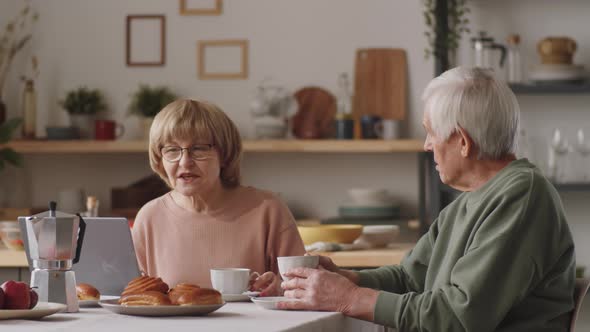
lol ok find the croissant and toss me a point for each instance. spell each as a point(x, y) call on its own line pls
point(180, 289)
point(145, 283)
point(199, 296)
point(87, 292)
point(146, 298)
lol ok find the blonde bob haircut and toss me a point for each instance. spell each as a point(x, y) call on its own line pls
point(197, 121)
point(475, 100)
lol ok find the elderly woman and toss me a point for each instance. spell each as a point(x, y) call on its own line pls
point(208, 220)
point(499, 258)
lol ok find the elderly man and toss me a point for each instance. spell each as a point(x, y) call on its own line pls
point(499, 258)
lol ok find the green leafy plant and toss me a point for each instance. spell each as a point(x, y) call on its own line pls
point(457, 23)
point(14, 38)
point(83, 101)
point(148, 101)
point(8, 155)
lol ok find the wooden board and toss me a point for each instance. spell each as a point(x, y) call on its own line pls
point(380, 86)
point(315, 116)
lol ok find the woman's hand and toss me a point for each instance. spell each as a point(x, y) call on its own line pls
point(327, 291)
point(269, 284)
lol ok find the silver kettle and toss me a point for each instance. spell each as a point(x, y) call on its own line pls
point(484, 50)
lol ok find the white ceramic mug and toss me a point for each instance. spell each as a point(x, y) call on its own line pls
point(287, 263)
point(387, 129)
point(230, 280)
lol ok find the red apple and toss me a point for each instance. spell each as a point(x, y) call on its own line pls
point(34, 298)
point(16, 295)
point(1, 299)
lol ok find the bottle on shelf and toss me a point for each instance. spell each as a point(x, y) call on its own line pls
point(29, 111)
point(91, 207)
point(343, 122)
point(514, 66)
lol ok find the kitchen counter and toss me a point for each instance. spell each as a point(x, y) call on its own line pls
point(371, 257)
point(356, 258)
point(12, 258)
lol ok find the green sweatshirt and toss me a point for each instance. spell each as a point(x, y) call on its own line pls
point(497, 259)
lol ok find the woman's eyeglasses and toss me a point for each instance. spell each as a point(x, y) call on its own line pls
point(196, 152)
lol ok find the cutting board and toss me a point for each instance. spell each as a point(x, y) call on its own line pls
point(315, 115)
point(380, 85)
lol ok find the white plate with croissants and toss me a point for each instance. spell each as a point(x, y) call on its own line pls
point(159, 310)
point(149, 296)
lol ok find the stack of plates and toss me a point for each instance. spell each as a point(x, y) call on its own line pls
point(558, 73)
point(366, 205)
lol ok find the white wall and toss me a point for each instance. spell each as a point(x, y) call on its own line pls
point(302, 42)
point(297, 43)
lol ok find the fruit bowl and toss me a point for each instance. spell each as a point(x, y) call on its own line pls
point(330, 233)
point(11, 237)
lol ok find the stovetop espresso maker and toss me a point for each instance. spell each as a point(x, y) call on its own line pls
point(53, 241)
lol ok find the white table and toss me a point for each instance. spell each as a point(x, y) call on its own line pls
point(240, 317)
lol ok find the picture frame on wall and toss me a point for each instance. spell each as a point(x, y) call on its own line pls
point(200, 7)
point(145, 40)
point(222, 59)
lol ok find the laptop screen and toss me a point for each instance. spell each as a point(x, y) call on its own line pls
point(107, 260)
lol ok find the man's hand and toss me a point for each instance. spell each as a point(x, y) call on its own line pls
point(327, 291)
point(269, 284)
point(328, 264)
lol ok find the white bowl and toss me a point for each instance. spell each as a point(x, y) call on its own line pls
point(369, 196)
point(378, 235)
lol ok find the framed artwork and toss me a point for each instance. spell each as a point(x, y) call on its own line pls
point(145, 40)
point(222, 59)
point(200, 7)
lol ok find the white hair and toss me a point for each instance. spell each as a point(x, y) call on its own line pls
point(475, 100)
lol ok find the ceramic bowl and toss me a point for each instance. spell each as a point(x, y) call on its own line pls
point(378, 235)
point(330, 233)
point(11, 236)
point(368, 196)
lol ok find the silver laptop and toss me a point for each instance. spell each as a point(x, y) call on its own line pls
point(107, 260)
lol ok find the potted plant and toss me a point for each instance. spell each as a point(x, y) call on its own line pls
point(8, 155)
point(13, 39)
point(83, 104)
point(444, 35)
point(147, 101)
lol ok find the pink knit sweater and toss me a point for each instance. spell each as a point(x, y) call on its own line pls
point(251, 231)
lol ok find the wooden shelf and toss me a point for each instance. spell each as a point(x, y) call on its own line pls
point(558, 88)
point(572, 186)
point(304, 146)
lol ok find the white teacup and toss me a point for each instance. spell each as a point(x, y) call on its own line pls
point(230, 280)
point(287, 263)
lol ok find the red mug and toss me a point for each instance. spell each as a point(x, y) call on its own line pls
point(107, 130)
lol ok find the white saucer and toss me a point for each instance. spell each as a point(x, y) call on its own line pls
point(270, 303)
point(244, 297)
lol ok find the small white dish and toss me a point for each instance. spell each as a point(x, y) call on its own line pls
point(270, 303)
point(94, 303)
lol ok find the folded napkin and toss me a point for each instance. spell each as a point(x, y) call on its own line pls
point(330, 246)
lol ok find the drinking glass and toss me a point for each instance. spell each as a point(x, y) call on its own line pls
point(583, 148)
